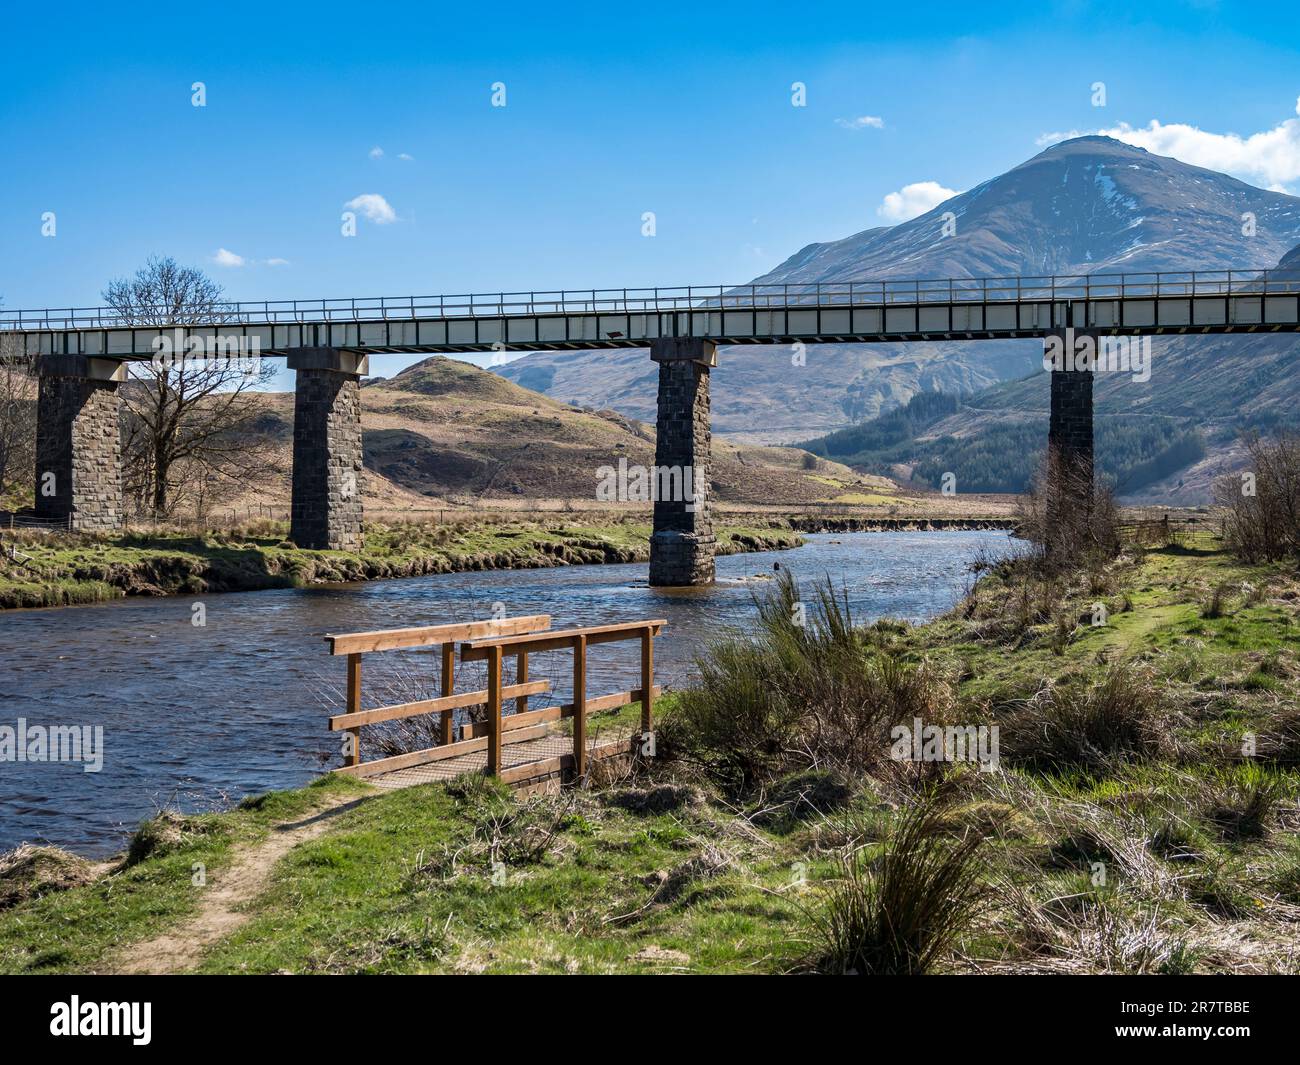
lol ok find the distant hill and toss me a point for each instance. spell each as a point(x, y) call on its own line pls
point(1087, 205)
point(1162, 441)
point(443, 431)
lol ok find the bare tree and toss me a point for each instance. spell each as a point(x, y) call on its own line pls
point(192, 429)
point(17, 418)
point(1260, 507)
point(1070, 519)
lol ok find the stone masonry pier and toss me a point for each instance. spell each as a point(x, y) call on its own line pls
point(327, 468)
point(682, 546)
point(1070, 476)
point(79, 442)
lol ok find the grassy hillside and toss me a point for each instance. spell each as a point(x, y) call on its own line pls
point(992, 443)
point(444, 432)
point(1142, 819)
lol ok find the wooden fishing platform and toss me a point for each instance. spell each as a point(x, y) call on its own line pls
point(526, 748)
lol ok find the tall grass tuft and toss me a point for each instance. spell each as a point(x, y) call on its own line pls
point(1124, 715)
point(807, 688)
point(900, 906)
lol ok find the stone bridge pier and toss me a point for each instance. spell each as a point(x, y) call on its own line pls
point(327, 468)
point(1070, 476)
point(79, 442)
point(682, 545)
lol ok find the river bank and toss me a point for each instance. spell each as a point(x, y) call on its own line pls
point(195, 714)
point(1142, 819)
point(816, 523)
point(42, 570)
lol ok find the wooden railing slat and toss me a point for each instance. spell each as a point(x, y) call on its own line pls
point(429, 635)
point(494, 712)
point(647, 679)
point(448, 688)
point(441, 705)
point(354, 706)
point(477, 650)
point(580, 706)
point(560, 710)
point(430, 754)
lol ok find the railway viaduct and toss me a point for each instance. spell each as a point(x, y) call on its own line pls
point(81, 356)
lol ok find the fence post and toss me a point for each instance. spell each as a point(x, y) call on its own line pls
point(647, 680)
point(494, 711)
point(354, 703)
point(448, 688)
point(521, 677)
point(580, 707)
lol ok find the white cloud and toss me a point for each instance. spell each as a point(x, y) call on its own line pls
point(1270, 157)
point(406, 158)
point(861, 122)
point(913, 200)
point(225, 257)
point(376, 152)
point(374, 207)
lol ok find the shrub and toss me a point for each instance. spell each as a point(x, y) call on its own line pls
point(807, 688)
point(1240, 802)
point(168, 831)
point(1125, 715)
point(30, 872)
point(1263, 524)
point(897, 908)
point(1069, 536)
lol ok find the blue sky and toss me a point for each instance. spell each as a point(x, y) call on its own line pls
point(611, 111)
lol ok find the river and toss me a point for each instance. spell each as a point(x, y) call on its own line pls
point(198, 716)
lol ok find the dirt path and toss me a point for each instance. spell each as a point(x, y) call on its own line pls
point(218, 914)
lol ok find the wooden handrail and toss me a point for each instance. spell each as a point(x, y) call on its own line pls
point(477, 649)
point(491, 641)
point(355, 644)
point(432, 706)
point(494, 648)
point(555, 713)
point(429, 635)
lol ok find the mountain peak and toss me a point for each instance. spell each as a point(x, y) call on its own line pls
point(1087, 205)
point(1091, 143)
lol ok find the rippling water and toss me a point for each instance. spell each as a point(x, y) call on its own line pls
point(202, 716)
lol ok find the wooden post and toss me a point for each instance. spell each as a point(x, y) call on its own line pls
point(580, 706)
point(647, 679)
point(494, 711)
point(354, 704)
point(448, 688)
point(521, 676)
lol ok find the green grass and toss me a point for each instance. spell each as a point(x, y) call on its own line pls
point(410, 883)
point(1183, 860)
point(78, 930)
point(86, 568)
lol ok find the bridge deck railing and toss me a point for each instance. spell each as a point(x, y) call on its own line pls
point(1015, 289)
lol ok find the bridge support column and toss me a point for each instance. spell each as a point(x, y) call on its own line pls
point(682, 546)
point(79, 442)
point(1069, 488)
point(326, 506)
